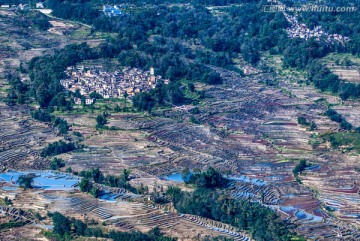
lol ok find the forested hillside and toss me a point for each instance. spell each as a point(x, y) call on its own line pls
point(182, 40)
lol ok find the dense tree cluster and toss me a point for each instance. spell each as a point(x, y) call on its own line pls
point(47, 71)
point(251, 30)
point(57, 148)
point(95, 175)
point(57, 163)
point(210, 178)
point(66, 228)
point(101, 120)
point(160, 42)
point(86, 185)
point(347, 24)
point(10, 225)
point(18, 91)
point(346, 140)
point(300, 167)
point(323, 79)
point(334, 116)
point(39, 20)
point(62, 125)
point(44, 116)
point(170, 94)
point(95, 95)
point(26, 181)
point(263, 223)
point(41, 115)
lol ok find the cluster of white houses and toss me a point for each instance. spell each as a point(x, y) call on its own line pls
point(300, 30)
point(109, 84)
point(112, 11)
point(23, 7)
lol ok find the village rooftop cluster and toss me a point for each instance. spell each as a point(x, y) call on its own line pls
point(112, 11)
point(299, 30)
point(109, 84)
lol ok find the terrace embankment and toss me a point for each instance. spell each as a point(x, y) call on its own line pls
point(246, 129)
point(22, 138)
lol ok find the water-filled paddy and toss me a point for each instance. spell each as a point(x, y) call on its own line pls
point(242, 178)
point(48, 180)
point(176, 177)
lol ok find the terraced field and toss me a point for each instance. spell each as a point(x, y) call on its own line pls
point(246, 129)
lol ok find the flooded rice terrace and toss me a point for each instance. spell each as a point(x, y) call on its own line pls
point(47, 180)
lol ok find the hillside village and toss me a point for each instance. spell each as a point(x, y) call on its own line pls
point(300, 30)
point(109, 84)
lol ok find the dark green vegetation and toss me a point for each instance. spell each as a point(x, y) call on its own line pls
point(171, 58)
point(101, 120)
point(347, 24)
point(302, 121)
point(57, 163)
point(87, 186)
point(163, 94)
point(61, 124)
point(26, 181)
point(163, 41)
point(34, 18)
point(44, 116)
point(323, 79)
point(350, 140)
point(66, 228)
point(261, 222)
point(334, 116)
point(46, 72)
point(251, 31)
point(11, 225)
point(210, 178)
point(95, 175)
point(299, 168)
point(18, 91)
point(5, 201)
point(57, 148)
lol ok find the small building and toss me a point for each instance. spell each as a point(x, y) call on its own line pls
point(89, 101)
point(24, 7)
point(77, 101)
point(40, 5)
point(112, 11)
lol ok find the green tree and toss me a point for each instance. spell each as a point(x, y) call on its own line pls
point(79, 227)
point(302, 121)
point(85, 185)
point(95, 192)
point(101, 121)
point(62, 224)
point(57, 163)
point(300, 167)
point(26, 181)
point(126, 175)
point(312, 126)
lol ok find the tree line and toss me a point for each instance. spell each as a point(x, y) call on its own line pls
point(244, 30)
point(261, 222)
point(96, 176)
point(66, 228)
point(210, 201)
